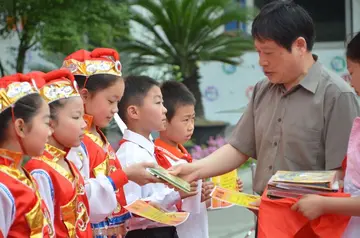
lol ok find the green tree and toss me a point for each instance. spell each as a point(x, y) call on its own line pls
point(62, 26)
point(178, 34)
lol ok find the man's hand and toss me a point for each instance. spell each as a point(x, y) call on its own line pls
point(138, 173)
point(311, 206)
point(186, 171)
point(239, 185)
point(193, 187)
point(207, 188)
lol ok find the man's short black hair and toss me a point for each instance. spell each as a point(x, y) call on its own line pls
point(175, 94)
point(283, 21)
point(136, 89)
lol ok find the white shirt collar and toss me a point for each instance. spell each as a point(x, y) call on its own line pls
point(140, 140)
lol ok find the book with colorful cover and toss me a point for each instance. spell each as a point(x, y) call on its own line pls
point(236, 198)
point(311, 179)
point(227, 181)
point(143, 209)
point(171, 179)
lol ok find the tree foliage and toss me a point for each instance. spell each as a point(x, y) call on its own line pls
point(177, 34)
point(62, 26)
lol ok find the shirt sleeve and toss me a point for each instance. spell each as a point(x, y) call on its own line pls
point(97, 189)
point(45, 188)
point(152, 192)
point(243, 136)
point(338, 125)
point(7, 210)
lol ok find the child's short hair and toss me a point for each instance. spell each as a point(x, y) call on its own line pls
point(176, 94)
point(136, 89)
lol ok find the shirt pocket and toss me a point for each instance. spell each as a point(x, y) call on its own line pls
point(301, 147)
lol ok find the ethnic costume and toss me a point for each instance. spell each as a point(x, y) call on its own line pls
point(22, 211)
point(67, 202)
point(96, 158)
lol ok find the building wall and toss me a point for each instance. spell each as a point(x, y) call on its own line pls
point(227, 89)
point(356, 15)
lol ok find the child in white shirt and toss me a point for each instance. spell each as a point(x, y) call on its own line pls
point(141, 108)
point(180, 105)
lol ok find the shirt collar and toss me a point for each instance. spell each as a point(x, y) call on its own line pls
point(140, 140)
point(311, 80)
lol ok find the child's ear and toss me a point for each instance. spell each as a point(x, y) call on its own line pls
point(85, 94)
point(20, 127)
point(133, 112)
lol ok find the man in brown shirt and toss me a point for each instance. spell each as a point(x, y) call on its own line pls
point(299, 118)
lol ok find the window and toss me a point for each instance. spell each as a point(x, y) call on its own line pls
point(328, 16)
point(235, 25)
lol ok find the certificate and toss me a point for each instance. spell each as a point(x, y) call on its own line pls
point(233, 197)
point(227, 181)
point(144, 209)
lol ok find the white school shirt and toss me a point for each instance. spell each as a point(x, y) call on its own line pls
point(99, 190)
point(196, 226)
point(139, 149)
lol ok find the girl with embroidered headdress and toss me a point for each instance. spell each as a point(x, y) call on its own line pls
point(98, 74)
point(60, 183)
point(24, 130)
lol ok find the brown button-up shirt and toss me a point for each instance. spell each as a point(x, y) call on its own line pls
point(305, 128)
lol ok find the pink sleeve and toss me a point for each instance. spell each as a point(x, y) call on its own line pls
point(353, 155)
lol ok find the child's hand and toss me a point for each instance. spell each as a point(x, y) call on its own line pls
point(206, 190)
point(311, 206)
point(193, 187)
point(239, 185)
point(138, 173)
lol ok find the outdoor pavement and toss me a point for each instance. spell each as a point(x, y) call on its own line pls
point(233, 222)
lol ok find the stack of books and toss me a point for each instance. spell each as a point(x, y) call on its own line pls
point(294, 184)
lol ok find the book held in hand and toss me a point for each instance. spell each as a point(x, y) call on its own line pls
point(171, 179)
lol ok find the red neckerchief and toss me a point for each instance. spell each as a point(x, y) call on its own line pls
point(173, 152)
